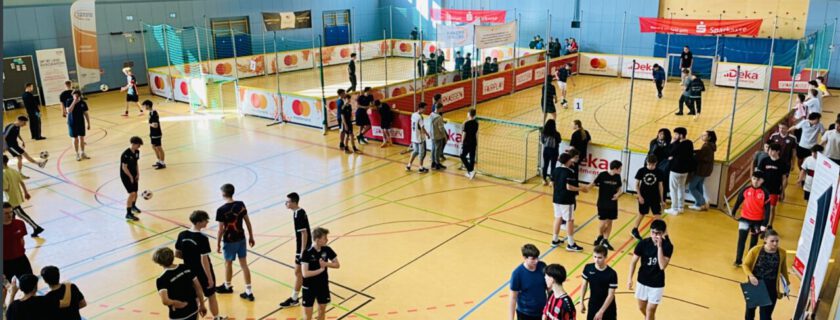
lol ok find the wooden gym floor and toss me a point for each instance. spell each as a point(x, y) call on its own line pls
point(412, 246)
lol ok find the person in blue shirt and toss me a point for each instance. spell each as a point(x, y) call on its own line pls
point(527, 286)
point(659, 79)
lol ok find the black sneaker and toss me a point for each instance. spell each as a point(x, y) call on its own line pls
point(557, 243)
point(574, 248)
point(37, 231)
point(678, 114)
point(247, 296)
point(135, 209)
point(160, 166)
point(441, 167)
point(599, 241)
point(129, 216)
point(738, 264)
point(606, 244)
point(289, 303)
point(635, 233)
point(423, 170)
point(224, 289)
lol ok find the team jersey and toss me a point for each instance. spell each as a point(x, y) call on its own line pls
point(559, 308)
point(756, 202)
point(301, 221)
point(231, 215)
point(649, 273)
point(178, 284)
point(129, 158)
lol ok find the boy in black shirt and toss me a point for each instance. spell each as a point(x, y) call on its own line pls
point(609, 189)
point(303, 239)
point(11, 136)
point(650, 193)
point(655, 254)
point(603, 281)
point(130, 176)
point(31, 103)
point(347, 124)
point(562, 77)
point(686, 61)
point(193, 247)
point(316, 283)
point(230, 217)
point(64, 297)
point(470, 143)
point(155, 134)
point(178, 288)
point(65, 97)
point(351, 72)
point(565, 191)
point(30, 306)
point(776, 172)
point(682, 163)
point(78, 122)
point(549, 98)
point(362, 119)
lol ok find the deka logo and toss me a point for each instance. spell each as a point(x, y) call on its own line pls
point(745, 74)
point(701, 27)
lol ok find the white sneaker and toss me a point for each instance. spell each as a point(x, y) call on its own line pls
point(78, 157)
point(563, 227)
point(42, 164)
point(472, 175)
point(85, 156)
point(672, 212)
point(467, 175)
point(695, 208)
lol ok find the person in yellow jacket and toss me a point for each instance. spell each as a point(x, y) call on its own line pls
point(767, 263)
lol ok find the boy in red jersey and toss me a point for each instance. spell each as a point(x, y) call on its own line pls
point(559, 305)
point(756, 201)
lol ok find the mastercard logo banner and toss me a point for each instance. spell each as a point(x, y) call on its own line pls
point(302, 110)
point(598, 64)
point(182, 90)
point(160, 84)
point(259, 103)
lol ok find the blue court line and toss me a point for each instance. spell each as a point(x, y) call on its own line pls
point(505, 285)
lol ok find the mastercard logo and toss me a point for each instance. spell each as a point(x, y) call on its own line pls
point(183, 88)
point(496, 54)
point(398, 91)
point(290, 60)
point(331, 106)
point(158, 82)
point(224, 68)
point(405, 47)
point(383, 47)
point(301, 108)
point(432, 48)
point(259, 101)
point(344, 53)
point(598, 63)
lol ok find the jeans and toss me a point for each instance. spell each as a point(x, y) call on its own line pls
point(685, 100)
point(766, 312)
point(468, 157)
point(659, 86)
point(437, 150)
point(549, 161)
point(677, 182)
point(695, 186)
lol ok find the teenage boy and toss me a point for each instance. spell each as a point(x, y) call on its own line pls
point(603, 281)
point(658, 79)
point(470, 143)
point(15, 262)
point(130, 176)
point(32, 106)
point(66, 97)
point(193, 247)
point(230, 216)
point(695, 95)
point(756, 201)
point(650, 192)
point(565, 191)
point(363, 102)
point(787, 141)
point(559, 306)
point(811, 130)
point(527, 286)
point(682, 162)
point(609, 189)
point(65, 297)
point(831, 142)
point(11, 136)
point(418, 138)
point(131, 93)
point(78, 122)
point(439, 135)
point(775, 172)
point(303, 239)
point(178, 287)
point(806, 175)
point(655, 254)
point(563, 76)
point(30, 306)
point(685, 97)
point(339, 104)
point(549, 99)
point(155, 134)
point(347, 125)
point(686, 61)
point(16, 193)
point(316, 282)
point(351, 72)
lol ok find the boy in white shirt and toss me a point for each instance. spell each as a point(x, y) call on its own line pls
point(806, 175)
point(419, 134)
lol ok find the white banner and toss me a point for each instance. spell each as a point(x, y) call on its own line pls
point(597, 160)
point(301, 110)
point(495, 36)
point(454, 36)
point(160, 84)
point(752, 76)
point(181, 87)
point(598, 64)
point(643, 66)
point(52, 67)
point(825, 176)
point(453, 141)
point(83, 23)
point(260, 103)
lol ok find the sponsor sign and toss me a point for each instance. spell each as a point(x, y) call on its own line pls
point(489, 86)
point(452, 96)
point(83, 23)
point(495, 36)
point(259, 102)
point(700, 27)
point(598, 64)
point(160, 84)
point(467, 16)
point(302, 110)
point(752, 76)
point(642, 65)
point(52, 68)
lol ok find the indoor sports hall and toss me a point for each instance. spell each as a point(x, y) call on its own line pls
point(280, 135)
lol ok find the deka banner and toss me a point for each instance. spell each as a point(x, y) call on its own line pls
point(83, 22)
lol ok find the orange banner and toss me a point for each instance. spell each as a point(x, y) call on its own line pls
point(83, 22)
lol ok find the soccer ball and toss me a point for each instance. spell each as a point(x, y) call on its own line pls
point(45, 154)
point(146, 194)
point(103, 87)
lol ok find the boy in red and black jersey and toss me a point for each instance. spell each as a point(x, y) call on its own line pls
point(756, 202)
point(559, 305)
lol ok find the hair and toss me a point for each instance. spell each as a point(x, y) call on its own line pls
point(549, 129)
point(136, 140)
point(366, 89)
point(658, 225)
point(656, 65)
point(294, 197)
point(7, 205)
point(319, 233)
point(437, 97)
point(770, 233)
point(651, 159)
point(573, 152)
point(530, 251)
point(377, 102)
point(163, 257)
point(432, 55)
point(801, 97)
point(5, 159)
point(487, 58)
point(813, 83)
point(556, 272)
point(51, 275)
point(228, 190)
point(815, 149)
point(28, 84)
point(615, 164)
point(821, 79)
point(665, 132)
point(472, 112)
point(837, 121)
point(685, 71)
point(340, 91)
point(76, 92)
point(811, 116)
point(758, 174)
point(68, 83)
point(199, 216)
point(600, 250)
point(814, 92)
point(775, 146)
point(28, 283)
point(681, 131)
point(421, 106)
point(686, 47)
point(581, 129)
point(148, 103)
point(565, 157)
point(22, 118)
point(712, 136)
point(353, 55)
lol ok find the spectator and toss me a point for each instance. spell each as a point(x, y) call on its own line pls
point(30, 306)
point(438, 133)
point(533, 44)
point(386, 117)
point(432, 65)
point(418, 138)
point(831, 142)
point(686, 60)
point(822, 86)
point(466, 68)
point(806, 175)
point(421, 66)
point(573, 46)
point(67, 300)
point(33, 111)
point(814, 85)
point(486, 68)
point(811, 130)
point(695, 94)
point(540, 45)
point(685, 98)
point(705, 163)
point(470, 143)
point(682, 162)
point(661, 148)
point(550, 140)
point(527, 286)
point(568, 46)
point(459, 60)
point(441, 59)
point(580, 141)
point(767, 263)
point(414, 33)
point(814, 102)
point(494, 66)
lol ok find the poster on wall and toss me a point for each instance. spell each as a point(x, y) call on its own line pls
point(276, 21)
point(52, 67)
point(495, 36)
point(83, 22)
point(450, 36)
point(700, 27)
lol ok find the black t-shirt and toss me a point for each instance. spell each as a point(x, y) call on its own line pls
point(685, 59)
point(178, 283)
point(193, 246)
point(351, 68)
point(347, 113)
point(649, 272)
point(77, 117)
point(563, 74)
point(12, 133)
point(30, 102)
point(600, 283)
point(34, 308)
point(72, 311)
point(66, 98)
point(470, 133)
point(364, 100)
point(129, 158)
point(608, 185)
point(683, 156)
point(301, 223)
point(649, 184)
point(231, 215)
point(563, 176)
point(773, 170)
point(385, 116)
point(549, 92)
point(312, 258)
point(580, 143)
point(154, 118)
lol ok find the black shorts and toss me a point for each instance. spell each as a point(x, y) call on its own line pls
point(75, 130)
point(802, 153)
point(607, 213)
point(347, 129)
point(385, 125)
point(550, 108)
point(156, 141)
point(654, 206)
point(132, 98)
point(317, 292)
point(16, 267)
point(208, 292)
point(15, 150)
point(129, 186)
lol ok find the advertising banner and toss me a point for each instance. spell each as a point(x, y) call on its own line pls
point(83, 23)
point(250, 66)
point(598, 64)
point(302, 110)
point(403, 48)
point(181, 87)
point(700, 27)
point(752, 76)
point(222, 67)
point(501, 53)
point(160, 84)
point(780, 79)
point(374, 49)
point(466, 16)
point(453, 141)
point(293, 60)
point(398, 89)
point(597, 160)
point(825, 176)
point(52, 69)
point(259, 102)
point(495, 36)
point(400, 128)
point(643, 66)
point(452, 36)
point(494, 86)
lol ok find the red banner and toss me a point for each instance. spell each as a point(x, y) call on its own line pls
point(699, 27)
point(780, 79)
point(455, 15)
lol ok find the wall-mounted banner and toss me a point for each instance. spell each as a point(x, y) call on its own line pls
point(83, 22)
point(700, 27)
point(495, 36)
point(466, 16)
point(275, 21)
